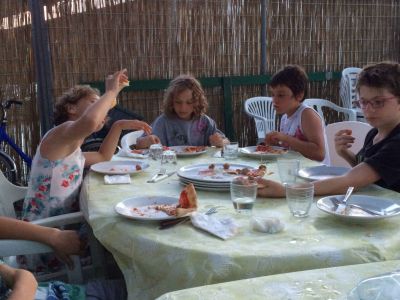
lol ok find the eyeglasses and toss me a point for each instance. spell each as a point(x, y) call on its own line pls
point(378, 103)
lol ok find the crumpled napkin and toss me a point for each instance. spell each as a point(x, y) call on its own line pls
point(222, 228)
point(267, 224)
point(117, 179)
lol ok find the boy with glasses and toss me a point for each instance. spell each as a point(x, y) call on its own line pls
point(377, 162)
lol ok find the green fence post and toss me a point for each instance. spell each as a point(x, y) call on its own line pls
point(228, 115)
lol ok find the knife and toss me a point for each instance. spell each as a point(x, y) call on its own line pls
point(162, 177)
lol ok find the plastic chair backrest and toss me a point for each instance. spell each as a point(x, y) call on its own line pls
point(130, 139)
point(318, 104)
point(359, 131)
point(9, 194)
point(264, 114)
point(348, 83)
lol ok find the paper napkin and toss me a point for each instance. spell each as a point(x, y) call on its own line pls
point(267, 224)
point(222, 228)
point(117, 179)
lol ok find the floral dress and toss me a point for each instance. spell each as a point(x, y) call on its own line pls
point(53, 190)
point(53, 186)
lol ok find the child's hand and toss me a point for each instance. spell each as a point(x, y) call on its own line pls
point(144, 142)
point(274, 138)
point(65, 243)
point(217, 140)
point(269, 188)
point(133, 125)
point(117, 81)
point(343, 141)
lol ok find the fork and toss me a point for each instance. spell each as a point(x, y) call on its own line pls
point(170, 223)
point(161, 172)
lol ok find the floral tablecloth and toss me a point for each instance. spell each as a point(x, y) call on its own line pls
point(320, 284)
point(157, 261)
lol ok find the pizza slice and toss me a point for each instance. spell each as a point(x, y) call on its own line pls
point(187, 201)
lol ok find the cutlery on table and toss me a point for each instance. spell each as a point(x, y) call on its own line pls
point(161, 172)
point(170, 223)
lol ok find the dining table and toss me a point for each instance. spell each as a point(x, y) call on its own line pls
point(338, 283)
point(155, 261)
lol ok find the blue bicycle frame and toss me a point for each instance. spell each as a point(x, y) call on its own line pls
point(4, 137)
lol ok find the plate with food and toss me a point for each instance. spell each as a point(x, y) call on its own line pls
point(321, 172)
point(359, 207)
point(116, 167)
point(157, 208)
point(219, 172)
point(188, 150)
point(263, 151)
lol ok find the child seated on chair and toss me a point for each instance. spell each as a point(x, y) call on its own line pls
point(184, 121)
point(21, 284)
point(377, 161)
point(301, 128)
point(58, 165)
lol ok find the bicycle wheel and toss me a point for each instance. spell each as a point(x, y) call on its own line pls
point(8, 167)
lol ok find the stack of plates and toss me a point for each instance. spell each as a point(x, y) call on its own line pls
point(203, 178)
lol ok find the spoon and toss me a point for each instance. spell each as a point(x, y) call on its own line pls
point(348, 194)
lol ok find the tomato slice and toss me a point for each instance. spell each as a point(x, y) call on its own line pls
point(184, 200)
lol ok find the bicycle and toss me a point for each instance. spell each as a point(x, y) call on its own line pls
point(7, 163)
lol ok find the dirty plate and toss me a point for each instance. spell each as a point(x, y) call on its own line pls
point(120, 167)
point(142, 208)
point(385, 208)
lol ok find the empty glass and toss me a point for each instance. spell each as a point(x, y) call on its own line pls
point(243, 194)
point(231, 150)
point(288, 170)
point(156, 151)
point(299, 197)
point(169, 161)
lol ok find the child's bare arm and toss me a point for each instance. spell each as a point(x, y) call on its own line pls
point(22, 283)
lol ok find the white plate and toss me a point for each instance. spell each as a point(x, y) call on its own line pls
point(382, 205)
point(251, 152)
point(180, 151)
point(143, 208)
point(119, 167)
point(206, 187)
point(321, 172)
point(192, 172)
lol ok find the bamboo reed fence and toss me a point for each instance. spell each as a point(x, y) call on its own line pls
point(159, 39)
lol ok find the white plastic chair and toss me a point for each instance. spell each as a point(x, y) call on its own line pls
point(346, 114)
point(9, 194)
point(264, 114)
point(348, 83)
point(359, 131)
point(130, 138)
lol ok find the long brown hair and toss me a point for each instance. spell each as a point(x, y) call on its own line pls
point(179, 84)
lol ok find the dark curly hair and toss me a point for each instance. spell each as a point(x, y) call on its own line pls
point(180, 84)
point(292, 76)
point(71, 96)
point(381, 75)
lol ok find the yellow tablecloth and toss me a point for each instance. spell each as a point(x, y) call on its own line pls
point(155, 262)
point(321, 284)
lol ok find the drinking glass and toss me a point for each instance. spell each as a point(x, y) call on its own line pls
point(299, 197)
point(231, 150)
point(288, 170)
point(169, 161)
point(155, 151)
point(243, 194)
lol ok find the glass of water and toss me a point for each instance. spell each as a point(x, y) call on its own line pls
point(243, 194)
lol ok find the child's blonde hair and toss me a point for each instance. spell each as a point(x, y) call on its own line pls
point(71, 96)
point(180, 84)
